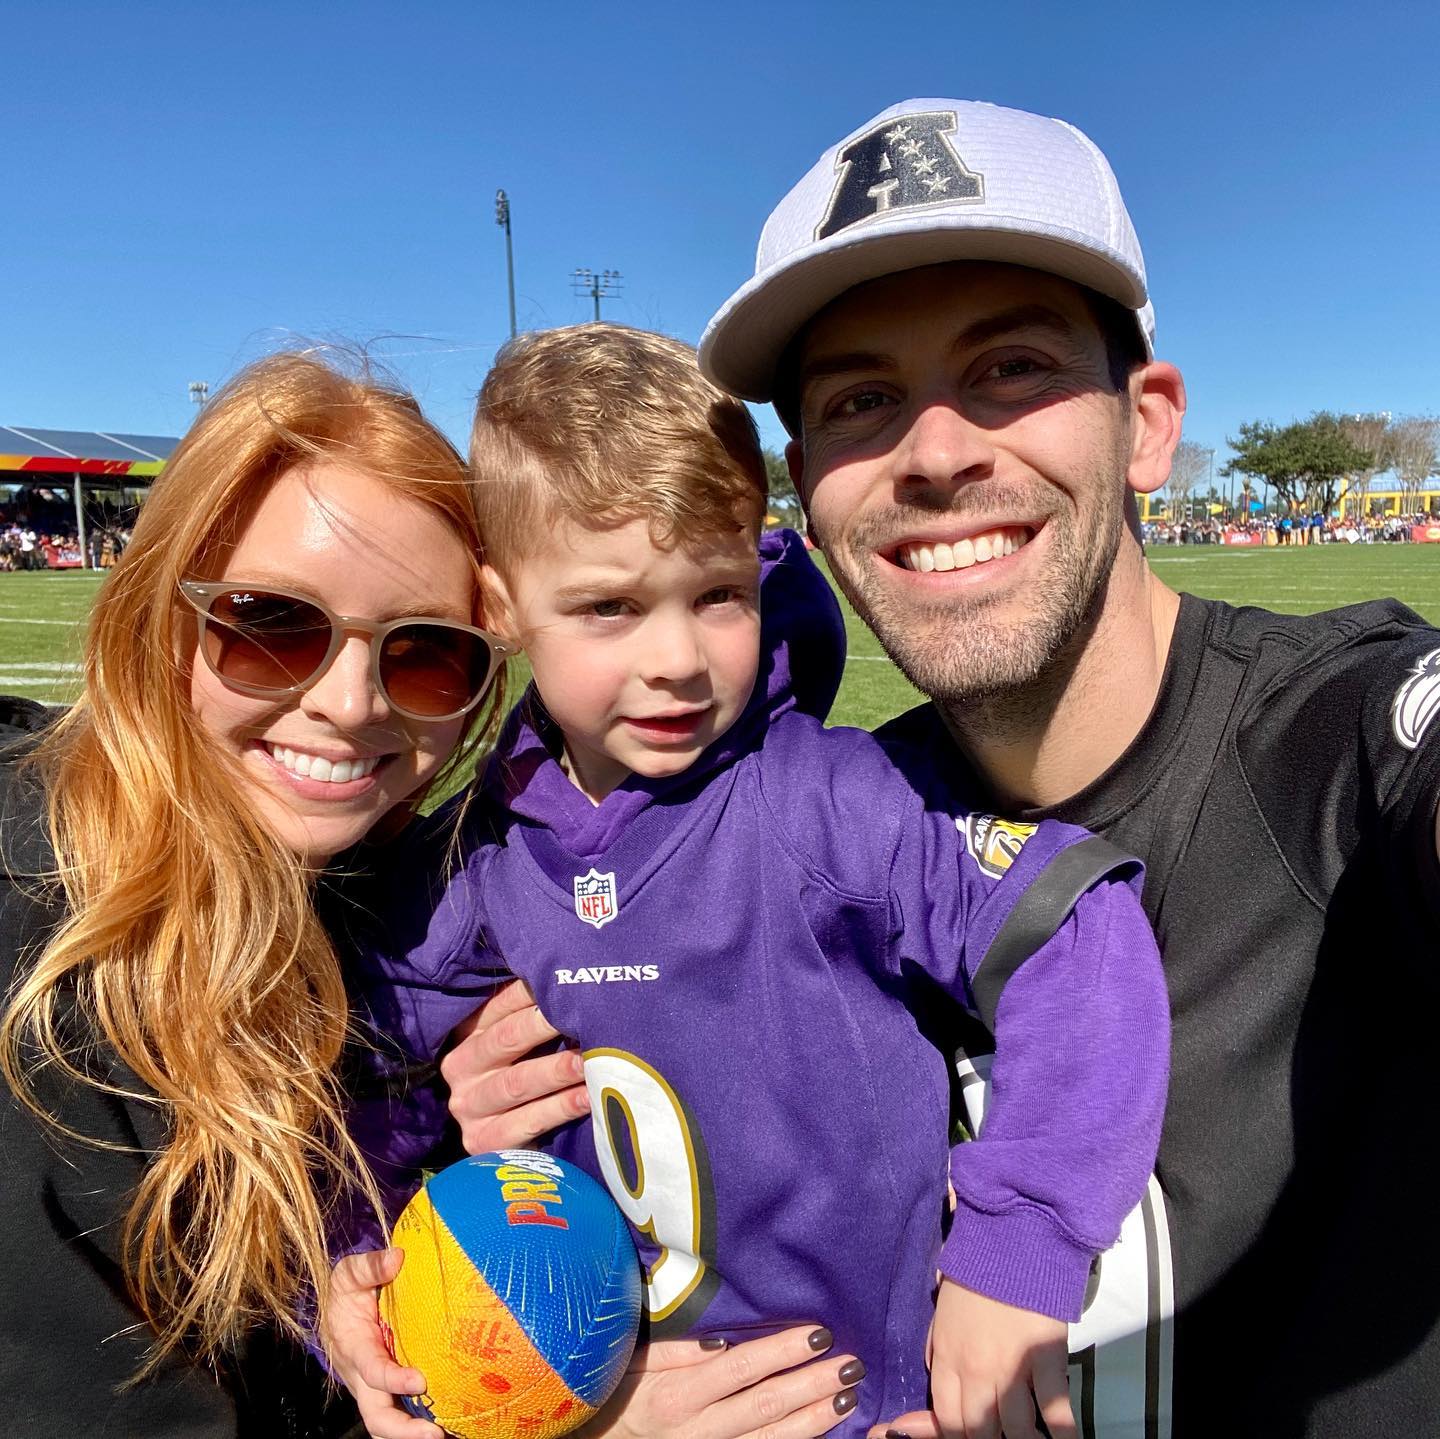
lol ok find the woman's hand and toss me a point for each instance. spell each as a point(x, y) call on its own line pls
point(499, 1099)
point(350, 1329)
point(684, 1389)
point(675, 1389)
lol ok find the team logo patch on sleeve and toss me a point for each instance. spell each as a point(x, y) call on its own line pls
point(1417, 701)
point(595, 898)
point(994, 843)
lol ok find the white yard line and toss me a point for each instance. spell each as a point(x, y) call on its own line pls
point(26, 667)
point(17, 620)
point(16, 682)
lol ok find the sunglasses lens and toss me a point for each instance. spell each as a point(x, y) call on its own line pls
point(433, 670)
point(265, 640)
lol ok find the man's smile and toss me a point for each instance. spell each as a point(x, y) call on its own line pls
point(960, 550)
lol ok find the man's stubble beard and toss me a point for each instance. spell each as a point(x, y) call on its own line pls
point(992, 677)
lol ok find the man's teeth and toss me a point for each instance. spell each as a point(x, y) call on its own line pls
point(992, 545)
point(314, 766)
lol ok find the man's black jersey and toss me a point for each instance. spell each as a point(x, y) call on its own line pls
point(1283, 1276)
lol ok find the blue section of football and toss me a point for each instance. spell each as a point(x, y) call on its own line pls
point(550, 1242)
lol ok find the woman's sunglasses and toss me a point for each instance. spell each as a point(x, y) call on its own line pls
point(270, 642)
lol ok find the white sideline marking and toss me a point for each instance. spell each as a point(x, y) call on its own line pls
point(16, 620)
point(37, 667)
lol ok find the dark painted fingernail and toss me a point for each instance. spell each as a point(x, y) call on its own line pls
point(820, 1340)
point(845, 1402)
point(896, 1434)
point(714, 1341)
point(853, 1372)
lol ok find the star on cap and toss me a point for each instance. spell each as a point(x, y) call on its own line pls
point(900, 132)
point(936, 184)
point(925, 164)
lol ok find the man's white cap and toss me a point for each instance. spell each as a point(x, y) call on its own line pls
point(924, 182)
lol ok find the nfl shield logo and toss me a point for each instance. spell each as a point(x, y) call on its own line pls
point(595, 900)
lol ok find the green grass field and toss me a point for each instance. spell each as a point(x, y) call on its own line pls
point(41, 614)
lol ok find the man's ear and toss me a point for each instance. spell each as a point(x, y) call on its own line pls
point(497, 609)
point(1157, 397)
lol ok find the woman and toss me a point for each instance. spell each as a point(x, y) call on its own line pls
point(176, 1013)
point(282, 662)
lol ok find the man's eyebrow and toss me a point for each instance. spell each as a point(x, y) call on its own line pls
point(823, 367)
point(1018, 317)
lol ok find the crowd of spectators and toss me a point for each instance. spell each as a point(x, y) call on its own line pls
point(37, 537)
point(36, 534)
point(20, 549)
point(1297, 529)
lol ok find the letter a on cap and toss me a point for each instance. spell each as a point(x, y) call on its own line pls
point(902, 163)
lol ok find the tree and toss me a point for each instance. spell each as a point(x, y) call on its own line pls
point(1188, 466)
point(1372, 434)
point(1304, 461)
point(1413, 442)
point(784, 502)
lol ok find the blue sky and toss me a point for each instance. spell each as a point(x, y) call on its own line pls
point(193, 185)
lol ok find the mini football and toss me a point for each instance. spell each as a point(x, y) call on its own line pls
point(519, 1296)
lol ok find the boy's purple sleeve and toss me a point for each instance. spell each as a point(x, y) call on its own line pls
point(398, 1134)
point(419, 962)
point(416, 964)
point(1039, 930)
point(1078, 1086)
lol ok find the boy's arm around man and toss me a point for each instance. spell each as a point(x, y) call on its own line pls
point(1080, 1012)
point(1037, 930)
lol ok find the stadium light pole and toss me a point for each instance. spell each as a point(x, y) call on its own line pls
point(80, 525)
point(604, 286)
point(502, 218)
point(199, 392)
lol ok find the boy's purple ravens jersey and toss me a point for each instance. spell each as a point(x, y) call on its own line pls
point(740, 951)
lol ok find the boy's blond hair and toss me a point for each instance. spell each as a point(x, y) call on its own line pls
point(603, 423)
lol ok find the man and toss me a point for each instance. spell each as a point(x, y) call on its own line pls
point(950, 311)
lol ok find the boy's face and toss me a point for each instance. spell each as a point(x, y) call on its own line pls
point(643, 655)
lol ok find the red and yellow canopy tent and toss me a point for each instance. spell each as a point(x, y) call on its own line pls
point(80, 461)
point(35, 453)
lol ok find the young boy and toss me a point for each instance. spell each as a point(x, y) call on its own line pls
point(737, 914)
